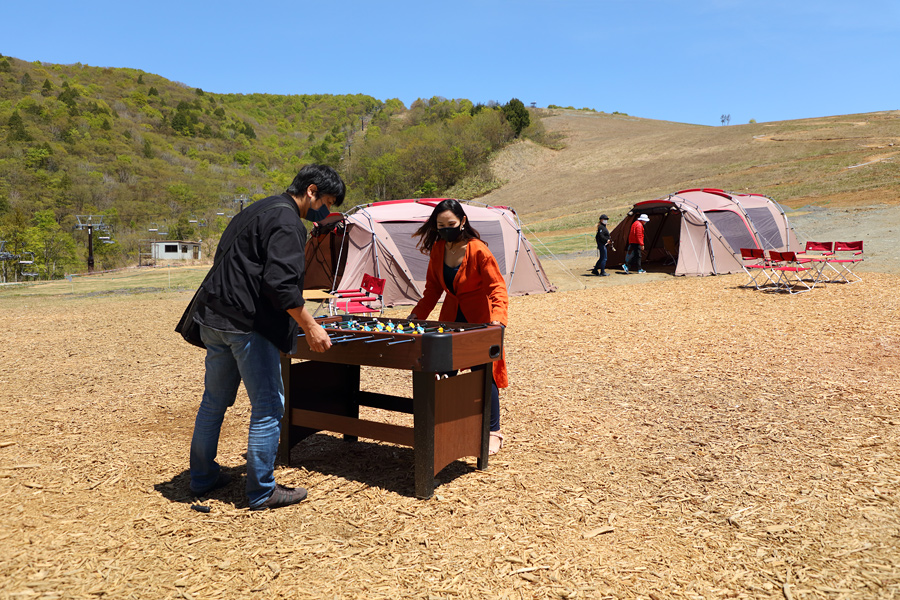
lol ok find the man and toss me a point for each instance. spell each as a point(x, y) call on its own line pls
point(250, 307)
point(603, 240)
point(635, 245)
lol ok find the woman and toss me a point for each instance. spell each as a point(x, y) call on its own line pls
point(461, 265)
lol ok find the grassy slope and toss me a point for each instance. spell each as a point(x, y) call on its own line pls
point(610, 162)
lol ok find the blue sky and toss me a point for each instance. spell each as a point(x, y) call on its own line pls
point(689, 61)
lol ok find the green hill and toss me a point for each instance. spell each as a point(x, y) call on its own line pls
point(153, 156)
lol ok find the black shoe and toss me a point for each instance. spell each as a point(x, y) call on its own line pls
point(595, 272)
point(223, 480)
point(282, 496)
point(604, 274)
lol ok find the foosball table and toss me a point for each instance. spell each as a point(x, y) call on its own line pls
point(451, 415)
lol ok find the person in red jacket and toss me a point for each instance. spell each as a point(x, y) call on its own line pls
point(461, 265)
point(635, 245)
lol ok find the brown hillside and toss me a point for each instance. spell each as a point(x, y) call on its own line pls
point(612, 161)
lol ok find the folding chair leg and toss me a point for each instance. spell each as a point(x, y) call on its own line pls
point(793, 284)
point(842, 275)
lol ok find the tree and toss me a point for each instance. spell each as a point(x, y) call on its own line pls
point(17, 131)
point(517, 115)
point(182, 123)
point(47, 88)
point(54, 250)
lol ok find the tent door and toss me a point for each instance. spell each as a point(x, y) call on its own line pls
point(662, 251)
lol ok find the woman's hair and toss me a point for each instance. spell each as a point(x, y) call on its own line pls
point(428, 234)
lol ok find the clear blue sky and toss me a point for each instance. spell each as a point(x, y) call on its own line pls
point(688, 60)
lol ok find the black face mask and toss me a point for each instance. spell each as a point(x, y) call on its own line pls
point(450, 234)
point(318, 214)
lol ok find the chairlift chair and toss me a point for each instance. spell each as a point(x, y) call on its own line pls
point(366, 299)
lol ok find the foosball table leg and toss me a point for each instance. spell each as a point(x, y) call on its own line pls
point(284, 445)
point(423, 432)
point(482, 462)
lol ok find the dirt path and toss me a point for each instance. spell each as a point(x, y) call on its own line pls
point(680, 439)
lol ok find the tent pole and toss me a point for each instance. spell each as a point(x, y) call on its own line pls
point(712, 255)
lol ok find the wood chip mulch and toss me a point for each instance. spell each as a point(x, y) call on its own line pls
point(683, 438)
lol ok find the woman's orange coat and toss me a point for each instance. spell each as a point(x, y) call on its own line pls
point(480, 292)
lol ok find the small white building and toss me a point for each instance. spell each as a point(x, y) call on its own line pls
point(174, 250)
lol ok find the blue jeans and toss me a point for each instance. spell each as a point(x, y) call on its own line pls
point(633, 257)
point(600, 265)
point(230, 358)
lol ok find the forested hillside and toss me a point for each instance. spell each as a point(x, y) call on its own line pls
point(158, 158)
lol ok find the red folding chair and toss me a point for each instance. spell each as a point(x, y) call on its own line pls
point(846, 254)
point(757, 267)
point(366, 299)
point(789, 273)
point(816, 255)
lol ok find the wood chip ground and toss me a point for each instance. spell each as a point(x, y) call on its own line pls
point(683, 438)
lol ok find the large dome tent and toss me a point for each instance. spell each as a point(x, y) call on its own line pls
point(377, 239)
point(702, 231)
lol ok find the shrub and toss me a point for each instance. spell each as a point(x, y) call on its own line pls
point(517, 115)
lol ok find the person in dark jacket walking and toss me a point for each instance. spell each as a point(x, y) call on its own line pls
point(250, 310)
point(603, 240)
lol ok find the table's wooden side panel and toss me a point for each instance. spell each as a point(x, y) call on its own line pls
point(321, 387)
point(458, 414)
point(403, 355)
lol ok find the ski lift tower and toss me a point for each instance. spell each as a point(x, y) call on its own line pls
point(90, 222)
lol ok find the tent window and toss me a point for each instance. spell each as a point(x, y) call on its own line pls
point(492, 234)
point(401, 233)
point(732, 228)
point(764, 222)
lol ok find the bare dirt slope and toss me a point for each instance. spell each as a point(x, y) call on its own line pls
point(678, 439)
point(838, 177)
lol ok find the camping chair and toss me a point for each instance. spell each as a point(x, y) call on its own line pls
point(367, 299)
point(756, 266)
point(851, 254)
point(789, 272)
point(816, 255)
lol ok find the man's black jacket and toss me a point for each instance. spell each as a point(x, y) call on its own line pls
point(602, 235)
point(257, 274)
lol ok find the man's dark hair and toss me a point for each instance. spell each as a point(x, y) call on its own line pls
point(326, 180)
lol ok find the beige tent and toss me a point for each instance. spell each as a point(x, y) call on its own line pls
point(378, 239)
point(702, 231)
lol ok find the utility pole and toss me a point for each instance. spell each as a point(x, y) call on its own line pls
point(88, 222)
